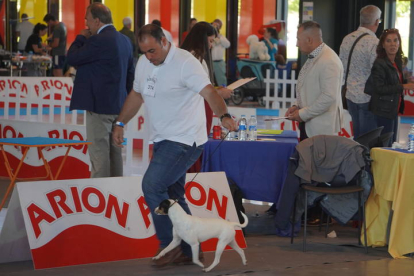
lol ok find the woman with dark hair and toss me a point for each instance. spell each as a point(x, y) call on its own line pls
point(386, 82)
point(34, 42)
point(270, 38)
point(199, 42)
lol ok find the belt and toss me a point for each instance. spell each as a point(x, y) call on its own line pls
point(217, 60)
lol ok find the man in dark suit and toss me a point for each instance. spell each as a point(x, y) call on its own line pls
point(105, 72)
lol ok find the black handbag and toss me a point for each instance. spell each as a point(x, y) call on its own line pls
point(343, 90)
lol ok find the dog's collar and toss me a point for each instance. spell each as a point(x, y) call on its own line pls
point(175, 201)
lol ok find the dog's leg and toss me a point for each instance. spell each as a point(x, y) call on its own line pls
point(195, 250)
point(173, 244)
point(219, 250)
point(233, 244)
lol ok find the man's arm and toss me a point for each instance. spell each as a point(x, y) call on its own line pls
point(85, 49)
point(218, 106)
point(224, 41)
point(55, 42)
point(131, 106)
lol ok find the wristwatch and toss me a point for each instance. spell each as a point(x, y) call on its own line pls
point(120, 124)
point(225, 115)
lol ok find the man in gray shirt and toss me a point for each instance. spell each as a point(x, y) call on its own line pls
point(362, 59)
point(57, 43)
point(23, 31)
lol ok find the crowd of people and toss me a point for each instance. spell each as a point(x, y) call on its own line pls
point(373, 77)
point(30, 40)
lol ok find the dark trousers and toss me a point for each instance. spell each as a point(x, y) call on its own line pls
point(390, 125)
point(302, 131)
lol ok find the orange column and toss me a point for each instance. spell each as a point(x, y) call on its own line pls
point(73, 15)
point(253, 14)
point(167, 11)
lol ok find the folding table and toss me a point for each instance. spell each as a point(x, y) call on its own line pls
point(40, 143)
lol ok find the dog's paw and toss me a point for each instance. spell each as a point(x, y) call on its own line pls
point(200, 264)
point(156, 257)
point(245, 262)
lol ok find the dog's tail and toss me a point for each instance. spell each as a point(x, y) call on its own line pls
point(246, 221)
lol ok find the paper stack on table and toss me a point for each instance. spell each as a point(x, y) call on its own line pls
point(269, 131)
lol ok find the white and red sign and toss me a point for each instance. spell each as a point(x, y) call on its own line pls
point(408, 103)
point(71, 222)
point(78, 159)
point(35, 88)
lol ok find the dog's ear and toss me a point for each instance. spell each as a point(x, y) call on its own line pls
point(164, 206)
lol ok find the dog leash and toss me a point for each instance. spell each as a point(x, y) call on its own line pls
point(208, 159)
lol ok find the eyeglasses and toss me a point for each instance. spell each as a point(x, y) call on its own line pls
point(391, 30)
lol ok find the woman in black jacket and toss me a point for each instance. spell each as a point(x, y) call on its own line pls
point(386, 82)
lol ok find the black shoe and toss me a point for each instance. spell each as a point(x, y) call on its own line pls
point(316, 222)
point(167, 258)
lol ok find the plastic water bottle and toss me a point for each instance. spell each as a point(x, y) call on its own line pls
point(243, 128)
point(30, 56)
point(411, 139)
point(230, 135)
point(253, 128)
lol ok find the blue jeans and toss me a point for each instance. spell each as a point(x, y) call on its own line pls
point(363, 120)
point(390, 125)
point(164, 179)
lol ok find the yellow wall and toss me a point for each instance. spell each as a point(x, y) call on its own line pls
point(34, 8)
point(120, 10)
point(208, 10)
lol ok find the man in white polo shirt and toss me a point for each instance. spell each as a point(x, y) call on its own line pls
point(172, 83)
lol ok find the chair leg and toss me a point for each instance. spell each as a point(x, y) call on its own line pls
point(327, 225)
point(359, 218)
point(365, 226)
point(320, 221)
point(292, 234)
point(306, 221)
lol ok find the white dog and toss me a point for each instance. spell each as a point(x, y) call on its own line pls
point(258, 50)
point(194, 230)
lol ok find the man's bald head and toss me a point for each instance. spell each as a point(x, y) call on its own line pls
point(309, 36)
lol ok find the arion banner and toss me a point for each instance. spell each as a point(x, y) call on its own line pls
point(72, 222)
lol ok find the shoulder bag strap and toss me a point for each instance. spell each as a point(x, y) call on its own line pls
point(350, 55)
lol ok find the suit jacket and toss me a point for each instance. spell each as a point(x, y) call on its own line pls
point(385, 89)
point(321, 95)
point(105, 71)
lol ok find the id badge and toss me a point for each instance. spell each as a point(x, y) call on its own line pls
point(150, 84)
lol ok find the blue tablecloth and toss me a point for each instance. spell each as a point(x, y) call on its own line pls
point(40, 141)
point(258, 167)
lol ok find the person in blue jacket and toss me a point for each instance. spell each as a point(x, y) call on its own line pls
point(105, 73)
